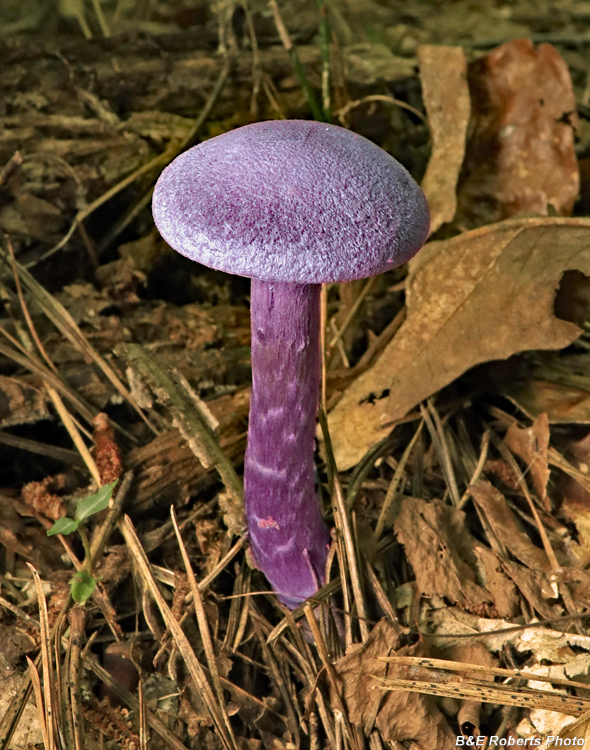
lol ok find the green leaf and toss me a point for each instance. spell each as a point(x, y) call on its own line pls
point(82, 585)
point(95, 503)
point(63, 526)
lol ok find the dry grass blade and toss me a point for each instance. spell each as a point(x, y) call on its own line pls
point(303, 654)
point(437, 435)
point(394, 484)
point(365, 465)
point(382, 599)
point(156, 163)
point(503, 695)
point(278, 677)
point(41, 449)
point(143, 724)
point(62, 319)
point(24, 359)
point(132, 703)
point(67, 709)
point(343, 528)
point(102, 535)
point(36, 681)
point(46, 658)
point(203, 627)
point(237, 617)
point(485, 442)
point(331, 674)
point(349, 106)
point(221, 565)
point(509, 458)
point(553, 456)
point(166, 576)
point(351, 547)
point(299, 71)
point(325, 55)
point(12, 716)
point(25, 309)
point(457, 666)
point(352, 312)
point(181, 641)
point(70, 426)
point(322, 595)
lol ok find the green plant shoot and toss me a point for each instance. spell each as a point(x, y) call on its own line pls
point(83, 583)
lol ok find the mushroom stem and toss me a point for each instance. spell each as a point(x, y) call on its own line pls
point(288, 536)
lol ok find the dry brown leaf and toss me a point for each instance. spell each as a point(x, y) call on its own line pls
point(520, 156)
point(483, 295)
point(531, 446)
point(535, 587)
point(440, 551)
point(541, 724)
point(579, 729)
point(21, 402)
point(212, 540)
point(561, 403)
point(28, 731)
point(443, 75)
point(26, 540)
point(506, 527)
point(401, 716)
point(501, 588)
point(579, 584)
point(41, 496)
point(575, 505)
point(545, 646)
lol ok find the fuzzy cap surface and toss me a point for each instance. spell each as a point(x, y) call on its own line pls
point(291, 200)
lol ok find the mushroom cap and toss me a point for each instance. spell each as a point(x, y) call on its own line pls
point(291, 200)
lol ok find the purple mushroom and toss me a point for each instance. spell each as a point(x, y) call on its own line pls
point(291, 204)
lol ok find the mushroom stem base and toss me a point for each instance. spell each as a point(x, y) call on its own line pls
point(288, 536)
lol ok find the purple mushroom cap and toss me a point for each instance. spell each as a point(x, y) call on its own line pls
point(291, 200)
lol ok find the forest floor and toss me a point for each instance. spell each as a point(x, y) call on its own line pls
point(457, 388)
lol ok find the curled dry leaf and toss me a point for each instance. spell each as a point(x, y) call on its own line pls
point(531, 446)
point(400, 715)
point(551, 652)
point(535, 587)
point(575, 499)
point(483, 295)
point(443, 75)
point(21, 402)
point(503, 591)
point(42, 498)
point(505, 527)
point(520, 156)
point(440, 551)
point(468, 716)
